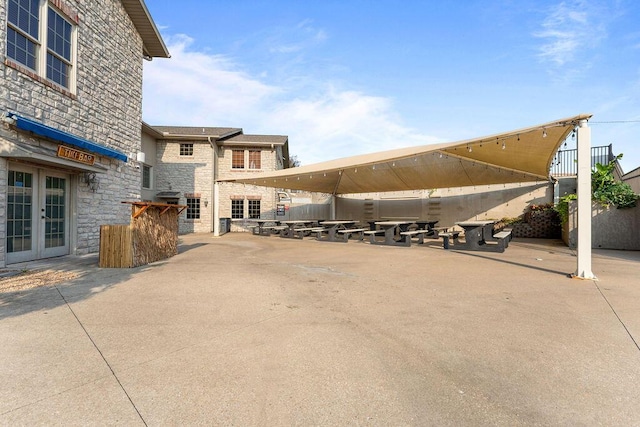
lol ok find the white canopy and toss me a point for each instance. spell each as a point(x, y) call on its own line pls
point(522, 155)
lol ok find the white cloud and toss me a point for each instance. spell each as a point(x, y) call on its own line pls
point(322, 122)
point(194, 88)
point(570, 29)
point(303, 34)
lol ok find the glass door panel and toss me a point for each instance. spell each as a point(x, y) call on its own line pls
point(54, 216)
point(19, 211)
point(20, 214)
point(54, 234)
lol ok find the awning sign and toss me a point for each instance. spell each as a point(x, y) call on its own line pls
point(76, 155)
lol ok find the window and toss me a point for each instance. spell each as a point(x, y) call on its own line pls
point(254, 159)
point(237, 208)
point(146, 176)
point(48, 52)
point(186, 149)
point(193, 207)
point(254, 208)
point(237, 159)
point(58, 49)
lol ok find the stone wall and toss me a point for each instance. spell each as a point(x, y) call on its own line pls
point(105, 108)
point(229, 191)
point(193, 175)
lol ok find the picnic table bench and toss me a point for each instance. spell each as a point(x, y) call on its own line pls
point(347, 232)
point(478, 236)
point(262, 227)
point(447, 236)
point(420, 233)
point(389, 229)
point(306, 231)
point(332, 228)
point(274, 229)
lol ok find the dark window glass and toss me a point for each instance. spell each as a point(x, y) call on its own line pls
point(254, 208)
point(193, 208)
point(237, 209)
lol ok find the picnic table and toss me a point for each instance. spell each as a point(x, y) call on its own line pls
point(478, 233)
point(331, 227)
point(263, 227)
point(425, 224)
point(292, 232)
point(390, 229)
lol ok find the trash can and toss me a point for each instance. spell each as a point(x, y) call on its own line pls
point(225, 225)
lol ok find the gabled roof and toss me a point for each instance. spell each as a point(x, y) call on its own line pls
point(199, 132)
point(153, 45)
point(522, 155)
point(256, 139)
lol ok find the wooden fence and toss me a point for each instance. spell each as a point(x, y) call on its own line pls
point(151, 236)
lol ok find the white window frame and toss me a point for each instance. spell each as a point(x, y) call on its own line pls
point(42, 49)
point(194, 208)
point(145, 167)
point(247, 164)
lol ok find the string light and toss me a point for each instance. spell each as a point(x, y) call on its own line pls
point(544, 133)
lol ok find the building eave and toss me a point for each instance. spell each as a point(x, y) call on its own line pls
point(153, 45)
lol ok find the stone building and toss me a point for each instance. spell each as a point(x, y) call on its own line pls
point(182, 164)
point(71, 109)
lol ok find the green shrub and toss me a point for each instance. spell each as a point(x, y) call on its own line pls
point(605, 190)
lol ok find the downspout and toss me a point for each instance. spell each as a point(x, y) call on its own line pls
point(215, 190)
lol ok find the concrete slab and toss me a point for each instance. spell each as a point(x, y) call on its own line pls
point(246, 330)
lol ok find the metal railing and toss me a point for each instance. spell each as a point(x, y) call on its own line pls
point(565, 161)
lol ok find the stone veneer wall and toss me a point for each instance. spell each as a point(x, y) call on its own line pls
point(194, 175)
point(228, 191)
point(105, 109)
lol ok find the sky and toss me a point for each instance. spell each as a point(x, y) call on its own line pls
point(349, 77)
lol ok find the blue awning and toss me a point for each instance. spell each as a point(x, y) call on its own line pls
point(58, 135)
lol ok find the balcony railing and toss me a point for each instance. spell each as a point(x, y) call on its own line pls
point(565, 161)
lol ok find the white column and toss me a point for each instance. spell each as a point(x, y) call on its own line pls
point(584, 202)
point(216, 209)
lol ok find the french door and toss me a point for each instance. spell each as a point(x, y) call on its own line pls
point(37, 214)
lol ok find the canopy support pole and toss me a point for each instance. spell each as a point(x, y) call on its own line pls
point(584, 202)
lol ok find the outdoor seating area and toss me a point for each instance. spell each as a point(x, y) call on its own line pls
point(465, 235)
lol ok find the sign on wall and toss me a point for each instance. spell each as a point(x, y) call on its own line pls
point(76, 155)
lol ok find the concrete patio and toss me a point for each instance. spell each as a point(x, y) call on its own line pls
point(251, 330)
